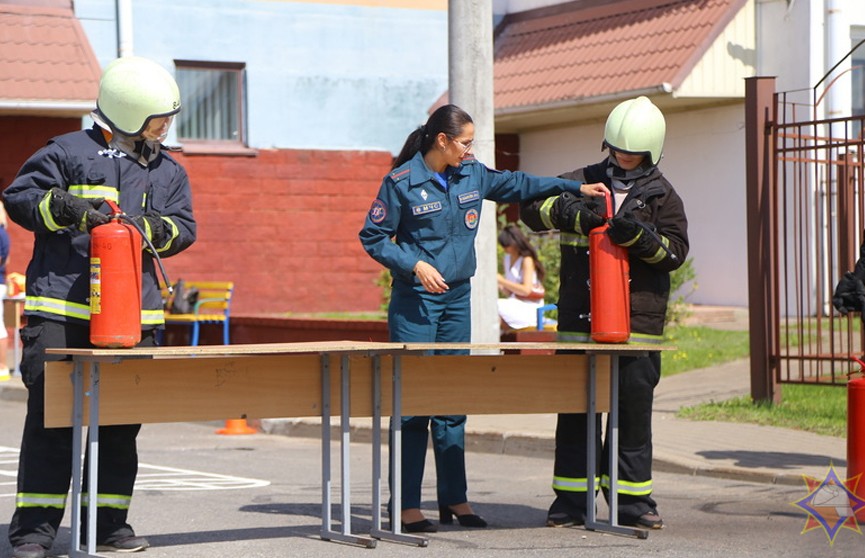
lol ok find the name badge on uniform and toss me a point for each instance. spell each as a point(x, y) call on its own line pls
point(425, 208)
point(474, 195)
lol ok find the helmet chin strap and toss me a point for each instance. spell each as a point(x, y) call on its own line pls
point(142, 150)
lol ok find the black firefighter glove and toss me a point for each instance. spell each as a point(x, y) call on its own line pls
point(154, 227)
point(575, 213)
point(626, 231)
point(67, 209)
point(849, 293)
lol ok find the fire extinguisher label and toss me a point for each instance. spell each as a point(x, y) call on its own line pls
point(95, 286)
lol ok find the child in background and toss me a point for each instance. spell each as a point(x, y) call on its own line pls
point(521, 280)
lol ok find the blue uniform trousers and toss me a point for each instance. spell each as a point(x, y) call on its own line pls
point(417, 316)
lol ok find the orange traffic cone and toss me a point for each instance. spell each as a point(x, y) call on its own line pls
point(236, 426)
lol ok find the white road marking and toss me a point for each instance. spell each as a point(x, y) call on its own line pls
point(150, 477)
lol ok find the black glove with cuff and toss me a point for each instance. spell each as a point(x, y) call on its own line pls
point(849, 294)
point(575, 213)
point(624, 230)
point(154, 227)
point(67, 210)
point(638, 237)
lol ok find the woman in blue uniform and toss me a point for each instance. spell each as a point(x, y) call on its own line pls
point(430, 205)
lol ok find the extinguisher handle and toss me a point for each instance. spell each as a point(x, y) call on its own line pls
point(115, 209)
point(861, 367)
point(608, 205)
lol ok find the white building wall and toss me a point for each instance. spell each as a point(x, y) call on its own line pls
point(725, 64)
point(319, 74)
point(787, 47)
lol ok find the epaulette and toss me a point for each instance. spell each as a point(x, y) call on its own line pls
point(399, 174)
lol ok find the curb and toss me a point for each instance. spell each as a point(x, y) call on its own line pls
point(13, 390)
point(501, 443)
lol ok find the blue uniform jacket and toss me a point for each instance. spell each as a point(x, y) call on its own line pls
point(438, 225)
point(58, 276)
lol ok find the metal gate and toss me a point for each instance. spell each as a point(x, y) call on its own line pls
point(805, 224)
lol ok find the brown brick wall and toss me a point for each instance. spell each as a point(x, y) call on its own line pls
point(283, 224)
point(21, 137)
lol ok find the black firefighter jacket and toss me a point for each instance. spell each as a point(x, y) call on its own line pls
point(651, 200)
point(82, 163)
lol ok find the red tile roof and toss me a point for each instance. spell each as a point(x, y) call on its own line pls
point(591, 49)
point(45, 59)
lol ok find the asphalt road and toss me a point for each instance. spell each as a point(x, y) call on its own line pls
point(204, 495)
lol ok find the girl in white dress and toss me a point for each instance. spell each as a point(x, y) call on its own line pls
point(521, 280)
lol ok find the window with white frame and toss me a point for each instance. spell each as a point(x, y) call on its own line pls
point(213, 106)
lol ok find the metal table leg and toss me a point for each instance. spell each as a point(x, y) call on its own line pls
point(591, 469)
point(394, 535)
point(93, 459)
point(592, 522)
point(376, 529)
point(327, 532)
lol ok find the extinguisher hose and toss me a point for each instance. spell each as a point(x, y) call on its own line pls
point(648, 228)
point(129, 220)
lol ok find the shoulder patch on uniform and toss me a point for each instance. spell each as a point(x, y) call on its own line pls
point(377, 212)
point(472, 218)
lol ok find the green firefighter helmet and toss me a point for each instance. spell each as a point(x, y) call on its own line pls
point(636, 126)
point(132, 91)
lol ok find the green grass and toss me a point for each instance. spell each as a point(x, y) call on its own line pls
point(818, 409)
point(812, 408)
point(700, 347)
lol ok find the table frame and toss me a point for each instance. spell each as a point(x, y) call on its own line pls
point(85, 410)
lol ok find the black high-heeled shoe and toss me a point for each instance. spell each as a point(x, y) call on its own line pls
point(446, 517)
point(422, 526)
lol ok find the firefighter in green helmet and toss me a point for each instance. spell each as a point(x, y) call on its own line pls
point(59, 194)
point(649, 220)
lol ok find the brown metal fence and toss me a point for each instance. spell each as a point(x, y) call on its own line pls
point(817, 203)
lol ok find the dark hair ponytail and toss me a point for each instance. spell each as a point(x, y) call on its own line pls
point(447, 119)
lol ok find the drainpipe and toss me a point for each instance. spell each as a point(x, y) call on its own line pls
point(124, 28)
point(837, 43)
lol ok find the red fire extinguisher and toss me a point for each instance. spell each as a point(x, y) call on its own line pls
point(856, 433)
point(608, 284)
point(115, 283)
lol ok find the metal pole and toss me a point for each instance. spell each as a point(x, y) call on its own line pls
point(470, 76)
point(124, 28)
point(759, 161)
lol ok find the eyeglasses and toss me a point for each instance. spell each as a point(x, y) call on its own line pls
point(466, 146)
